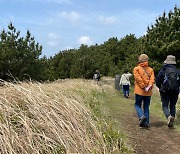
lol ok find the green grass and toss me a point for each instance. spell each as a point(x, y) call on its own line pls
point(156, 106)
point(156, 110)
point(106, 108)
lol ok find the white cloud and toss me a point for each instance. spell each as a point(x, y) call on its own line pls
point(54, 40)
point(108, 19)
point(72, 16)
point(53, 43)
point(85, 40)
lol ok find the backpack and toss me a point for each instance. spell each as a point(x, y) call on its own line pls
point(171, 79)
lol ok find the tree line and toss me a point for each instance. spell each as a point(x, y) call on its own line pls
point(20, 56)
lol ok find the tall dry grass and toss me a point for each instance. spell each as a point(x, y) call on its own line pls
point(48, 118)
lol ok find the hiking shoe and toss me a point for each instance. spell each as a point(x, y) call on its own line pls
point(142, 121)
point(127, 96)
point(170, 121)
point(146, 125)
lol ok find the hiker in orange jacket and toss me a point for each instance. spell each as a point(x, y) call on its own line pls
point(144, 80)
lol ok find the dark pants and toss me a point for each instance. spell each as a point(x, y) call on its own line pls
point(125, 90)
point(169, 100)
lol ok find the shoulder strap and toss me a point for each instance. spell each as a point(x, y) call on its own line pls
point(146, 72)
point(126, 78)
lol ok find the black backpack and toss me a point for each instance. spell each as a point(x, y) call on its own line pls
point(171, 79)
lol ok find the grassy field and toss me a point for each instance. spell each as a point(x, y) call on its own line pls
point(156, 109)
point(66, 116)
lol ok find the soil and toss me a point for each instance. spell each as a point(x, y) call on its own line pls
point(157, 139)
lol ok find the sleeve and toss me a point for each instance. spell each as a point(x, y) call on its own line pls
point(179, 77)
point(152, 78)
point(120, 82)
point(138, 78)
point(159, 78)
point(178, 72)
point(129, 75)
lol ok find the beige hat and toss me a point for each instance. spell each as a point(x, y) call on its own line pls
point(170, 60)
point(142, 58)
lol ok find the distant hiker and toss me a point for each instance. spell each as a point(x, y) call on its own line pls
point(96, 76)
point(168, 83)
point(144, 80)
point(125, 82)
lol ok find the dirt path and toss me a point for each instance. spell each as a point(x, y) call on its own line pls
point(157, 139)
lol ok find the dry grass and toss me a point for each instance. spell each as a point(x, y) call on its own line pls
point(48, 118)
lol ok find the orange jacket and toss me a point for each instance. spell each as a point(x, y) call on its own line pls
point(144, 76)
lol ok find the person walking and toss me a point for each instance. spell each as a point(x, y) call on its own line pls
point(144, 80)
point(125, 83)
point(167, 81)
point(96, 76)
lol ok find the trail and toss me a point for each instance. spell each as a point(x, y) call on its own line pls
point(157, 139)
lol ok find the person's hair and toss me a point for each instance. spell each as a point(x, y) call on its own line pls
point(125, 70)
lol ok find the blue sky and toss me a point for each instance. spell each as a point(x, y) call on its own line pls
point(63, 24)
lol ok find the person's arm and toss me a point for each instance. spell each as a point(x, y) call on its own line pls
point(120, 82)
point(138, 78)
point(151, 81)
point(159, 78)
point(129, 75)
point(152, 78)
point(179, 77)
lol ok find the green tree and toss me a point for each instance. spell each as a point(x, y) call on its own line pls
point(163, 38)
point(18, 55)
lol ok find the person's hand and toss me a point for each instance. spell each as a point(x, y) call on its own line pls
point(148, 88)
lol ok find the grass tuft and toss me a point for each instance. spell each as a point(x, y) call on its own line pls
point(66, 116)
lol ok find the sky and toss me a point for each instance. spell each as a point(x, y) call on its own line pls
point(58, 25)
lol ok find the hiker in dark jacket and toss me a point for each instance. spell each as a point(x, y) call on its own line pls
point(169, 96)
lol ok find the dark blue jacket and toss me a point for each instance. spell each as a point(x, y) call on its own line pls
point(161, 75)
